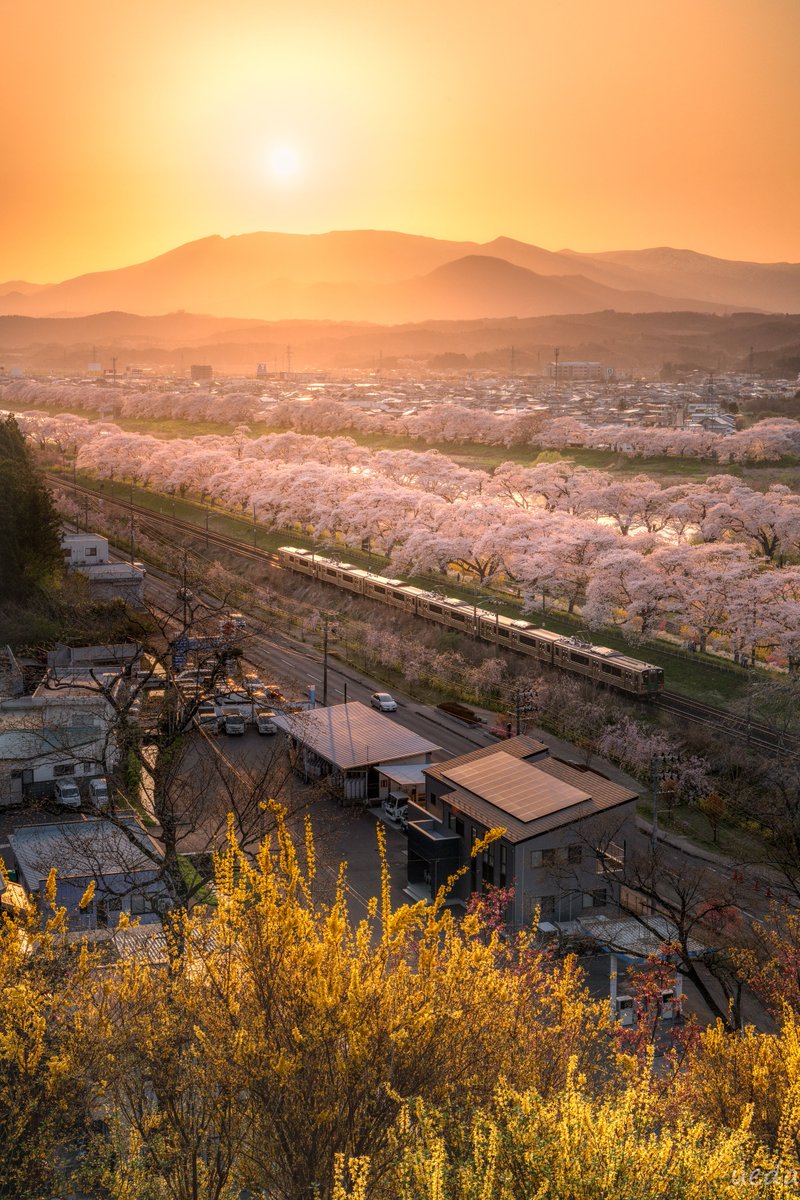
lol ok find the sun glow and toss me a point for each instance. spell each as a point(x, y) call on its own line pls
point(284, 162)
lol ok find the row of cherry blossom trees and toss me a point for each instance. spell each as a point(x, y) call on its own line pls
point(715, 560)
point(766, 441)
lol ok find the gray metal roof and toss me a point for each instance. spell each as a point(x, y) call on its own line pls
point(636, 938)
point(405, 773)
point(352, 735)
point(78, 849)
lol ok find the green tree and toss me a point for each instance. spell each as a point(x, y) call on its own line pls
point(30, 528)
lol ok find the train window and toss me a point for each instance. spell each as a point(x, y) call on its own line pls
point(330, 570)
point(527, 640)
point(459, 616)
point(579, 658)
point(437, 608)
point(612, 670)
point(377, 587)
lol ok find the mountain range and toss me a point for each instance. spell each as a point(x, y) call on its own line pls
point(393, 278)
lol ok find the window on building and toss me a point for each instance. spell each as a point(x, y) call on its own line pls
point(91, 552)
point(549, 858)
point(575, 854)
point(432, 800)
point(599, 897)
point(459, 827)
point(488, 865)
point(547, 906)
point(61, 769)
point(536, 858)
point(473, 862)
point(142, 903)
point(503, 878)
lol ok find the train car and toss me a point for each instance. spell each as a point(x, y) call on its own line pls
point(299, 560)
point(446, 610)
point(494, 627)
point(388, 591)
point(598, 663)
point(538, 643)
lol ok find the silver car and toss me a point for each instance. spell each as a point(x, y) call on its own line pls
point(67, 794)
point(383, 702)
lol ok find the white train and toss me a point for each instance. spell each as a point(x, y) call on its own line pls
point(606, 666)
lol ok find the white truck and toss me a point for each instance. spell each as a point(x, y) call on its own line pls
point(233, 722)
point(265, 721)
point(395, 806)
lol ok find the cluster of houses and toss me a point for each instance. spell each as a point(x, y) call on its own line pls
point(64, 732)
point(507, 815)
point(564, 829)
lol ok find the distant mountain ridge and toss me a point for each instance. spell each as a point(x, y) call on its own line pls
point(388, 278)
point(169, 344)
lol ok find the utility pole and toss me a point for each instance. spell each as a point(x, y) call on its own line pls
point(663, 767)
point(556, 353)
point(254, 522)
point(325, 660)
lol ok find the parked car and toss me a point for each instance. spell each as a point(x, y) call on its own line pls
point(67, 794)
point(207, 718)
point(98, 791)
point(265, 722)
point(233, 722)
point(383, 701)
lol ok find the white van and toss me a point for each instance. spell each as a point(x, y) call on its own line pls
point(98, 791)
point(265, 722)
point(67, 794)
point(233, 722)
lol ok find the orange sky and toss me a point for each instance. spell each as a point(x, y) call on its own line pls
point(129, 128)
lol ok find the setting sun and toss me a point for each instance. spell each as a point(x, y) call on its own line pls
point(284, 162)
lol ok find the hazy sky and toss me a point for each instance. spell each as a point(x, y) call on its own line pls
point(130, 127)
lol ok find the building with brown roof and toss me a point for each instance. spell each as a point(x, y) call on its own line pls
point(564, 830)
point(352, 747)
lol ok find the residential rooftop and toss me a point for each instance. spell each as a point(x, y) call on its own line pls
point(353, 735)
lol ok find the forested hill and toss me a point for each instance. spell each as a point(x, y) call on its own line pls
point(626, 341)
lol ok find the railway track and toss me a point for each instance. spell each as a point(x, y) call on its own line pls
point(736, 725)
point(752, 733)
point(147, 515)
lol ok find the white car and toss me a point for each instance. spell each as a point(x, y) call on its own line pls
point(98, 790)
point(265, 722)
point(383, 701)
point(67, 794)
